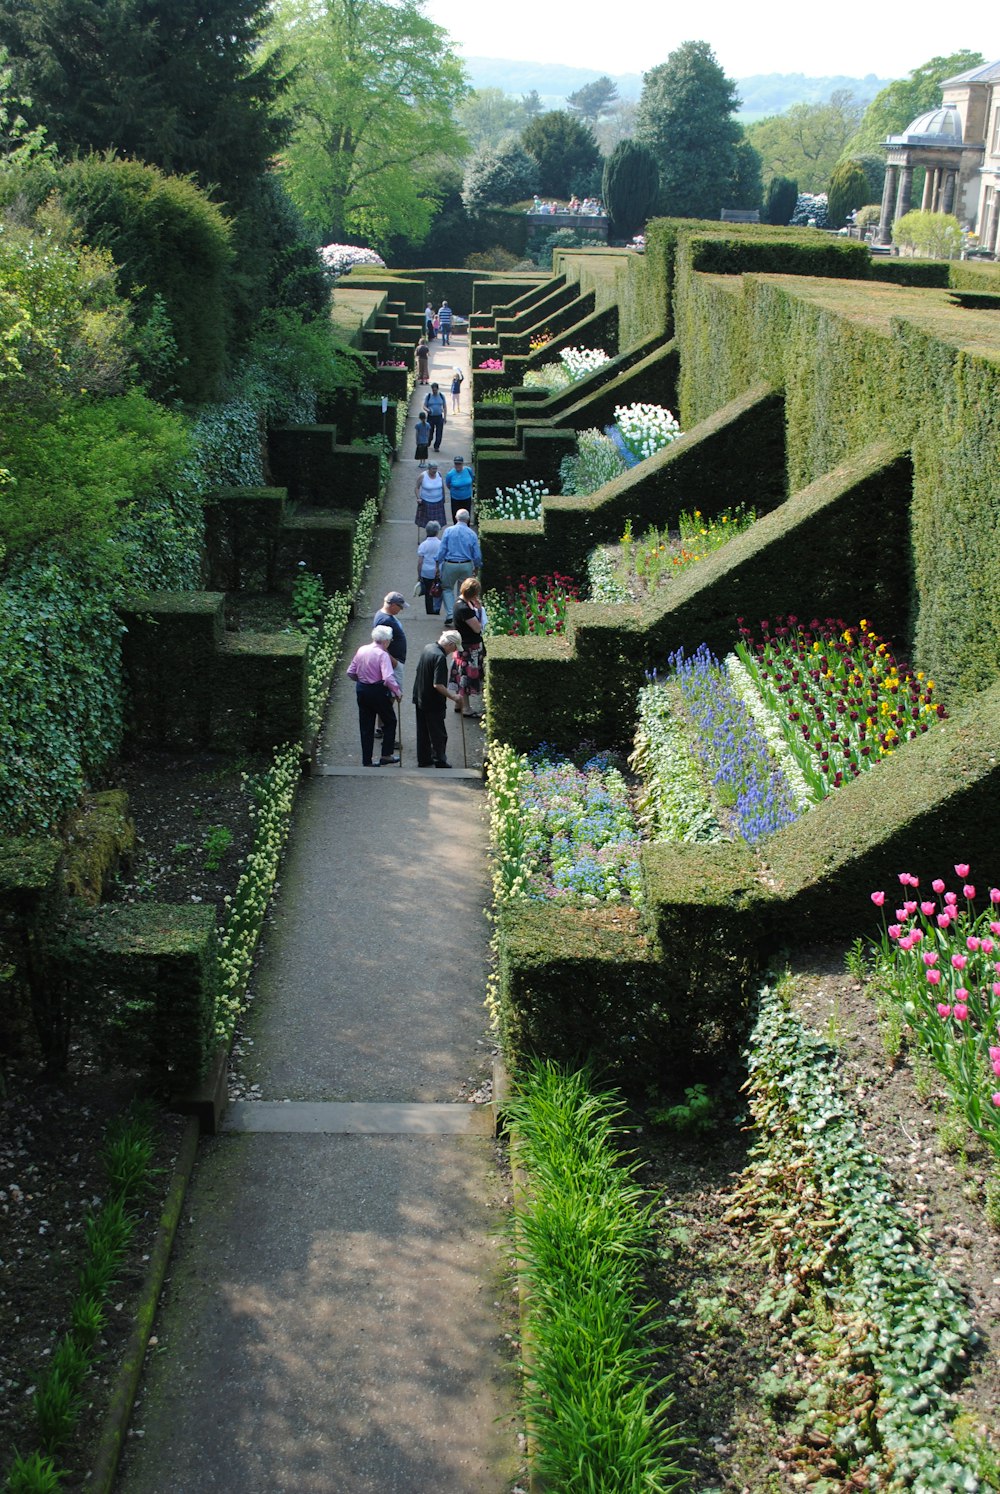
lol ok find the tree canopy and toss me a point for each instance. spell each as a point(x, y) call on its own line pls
point(593, 99)
point(372, 86)
point(686, 117)
point(896, 106)
point(180, 84)
point(808, 140)
point(486, 115)
point(565, 150)
point(499, 176)
point(630, 186)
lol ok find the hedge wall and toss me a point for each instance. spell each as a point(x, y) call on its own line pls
point(812, 556)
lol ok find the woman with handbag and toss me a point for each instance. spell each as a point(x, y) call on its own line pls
point(427, 569)
point(470, 660)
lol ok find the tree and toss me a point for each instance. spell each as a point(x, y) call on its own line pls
point(565, 151)
point(593, 99)
point(746, 187)
point(808, 140)
point(686, 118)
point(372, 85)
point(177, 83)
point(779, 200)
point(531, 104)
point(630, 186)
point(499, 176)
point(488, 114)
point(848, 190)
point(933, 235)
point(617, 125)
point(900, 103)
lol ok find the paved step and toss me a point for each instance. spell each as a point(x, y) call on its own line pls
point(351, 1118)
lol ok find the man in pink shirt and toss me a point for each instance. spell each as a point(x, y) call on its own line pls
point(377, 691)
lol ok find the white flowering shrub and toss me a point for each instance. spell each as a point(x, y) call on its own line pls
point(646, 429)
point(596, 461)
point(579, 362)
point(338, 259)
point(523, 500)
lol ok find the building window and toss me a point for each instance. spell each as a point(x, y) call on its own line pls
point(995, 147)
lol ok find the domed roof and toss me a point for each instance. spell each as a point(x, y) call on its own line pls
point(941, 126)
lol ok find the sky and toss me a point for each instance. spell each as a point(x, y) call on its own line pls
point(854, 38)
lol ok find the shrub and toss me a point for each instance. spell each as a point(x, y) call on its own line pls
point(848, 190)
point(169, 241)
point(933, 235)
point(630, 186)
point(499, 175)
point(868, 216)
point(780, 200)
point(810, 209)
point(596, 462)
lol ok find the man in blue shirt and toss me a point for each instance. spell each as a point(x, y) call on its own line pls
point(445, 318)
point(459, 483)
point(458, 558)
point(436, 410)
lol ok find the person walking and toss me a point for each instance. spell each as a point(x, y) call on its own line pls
point(422, 352)
point(457, 380)
point(430, 497)
point(458, 558)
point(427, 568)
point(429, 322)
point(431, 693)
point(468, 663)
point(459, 484)
point(422, 436)
point(436, 410)
point(377, 692)
point(445, 318)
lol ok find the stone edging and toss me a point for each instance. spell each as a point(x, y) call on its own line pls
point(123, 1393)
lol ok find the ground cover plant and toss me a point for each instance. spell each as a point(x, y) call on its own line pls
point(597, 1416)
point(638, 565)
point(534, 605)
point(561, 831)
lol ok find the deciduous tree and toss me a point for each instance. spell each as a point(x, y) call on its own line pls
point(807, 141)
point(489, 114)
point(373, 86)
point(686, 117)
point(898, 104)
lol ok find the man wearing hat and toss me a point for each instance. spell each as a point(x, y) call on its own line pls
point(387, 617)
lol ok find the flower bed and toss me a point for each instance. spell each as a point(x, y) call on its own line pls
point(785, 721)
point(634, 568)
point(939, 963)
point(641, 430)
point(560, 831)
point(523, 500)
point(574, 364)
point(534, 605)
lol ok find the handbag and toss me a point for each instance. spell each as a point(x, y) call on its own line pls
point(435, 588)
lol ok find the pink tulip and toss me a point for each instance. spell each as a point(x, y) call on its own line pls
point(995, 1055)
point(943, 1009)
point(961, 994)
point(938, 885)
point(901, 914)
point(995, 894)
point(968, 890)
point(910, 909)
point(943, 920)
point(916, 935)
point(878, 898)
point(996, 992)
point(933, 977)
point(962, 869)
point(951, 898)
point(987, 946)
point(972, 943)
point(930, 957)
point(996, 1066)
point(904, 878)
point(927, 909)
point(996, 1098)
point(959, 962)
point(961, 1013)
point(995, 929)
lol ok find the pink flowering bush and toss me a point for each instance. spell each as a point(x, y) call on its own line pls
point(940, 960)
point(491, 365)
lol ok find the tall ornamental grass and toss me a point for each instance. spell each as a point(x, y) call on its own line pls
point(596, 1415)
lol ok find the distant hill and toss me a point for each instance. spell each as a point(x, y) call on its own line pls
point(764, 93)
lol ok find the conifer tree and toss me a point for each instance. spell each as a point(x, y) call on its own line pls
point(686, 117)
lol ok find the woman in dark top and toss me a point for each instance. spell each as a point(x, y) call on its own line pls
point(467, 666)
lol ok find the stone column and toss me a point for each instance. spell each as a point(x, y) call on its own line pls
point(925, 201)
point(905, 190)
point(888, 204)
point(948, 195)
point(988, 239)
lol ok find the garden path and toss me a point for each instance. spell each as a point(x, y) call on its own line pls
point(331, 1325)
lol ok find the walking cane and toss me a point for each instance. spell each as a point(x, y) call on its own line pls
point(399, 731)
point(465, 755)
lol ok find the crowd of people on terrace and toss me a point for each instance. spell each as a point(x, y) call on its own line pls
point(589, 207)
